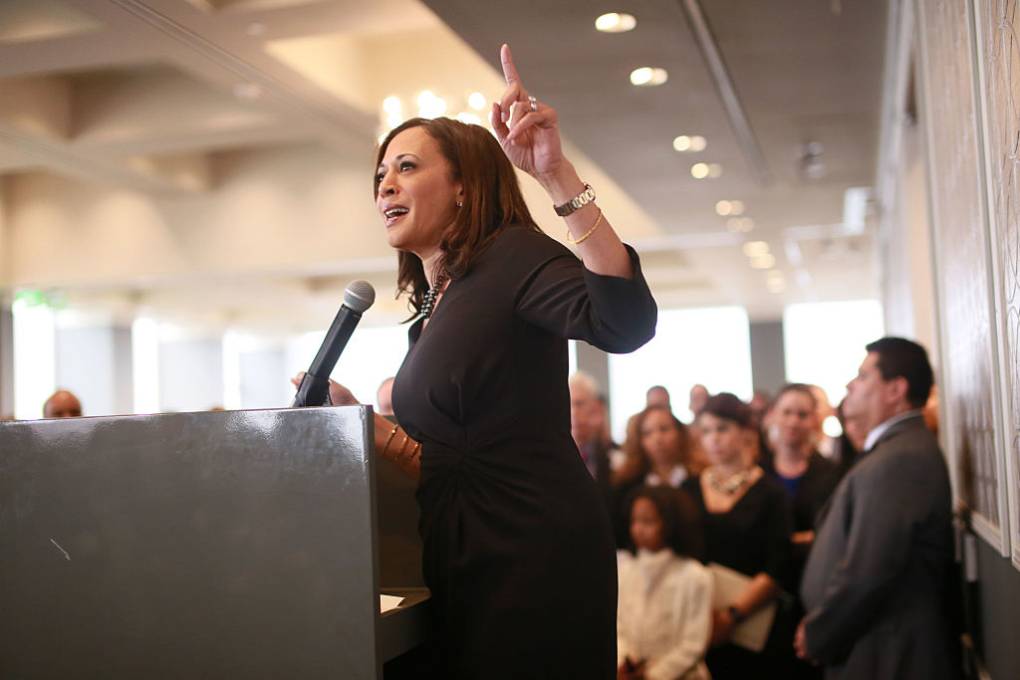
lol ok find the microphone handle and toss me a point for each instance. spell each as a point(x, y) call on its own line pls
point(314, 387)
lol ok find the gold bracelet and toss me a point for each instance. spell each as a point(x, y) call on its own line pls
point(389, 439)
point(587, 233)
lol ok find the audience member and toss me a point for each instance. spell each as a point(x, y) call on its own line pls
point(809, 480)
point(657, 395)
point(62, 404)
point(665, 607)
point(384, 397)
point(588, 423)
point(746, 527)
point(931, 411)
point(698, 397)
point(823, 442)
point(849, 444)
point(759, 405)
point(876, 583)
point(656, 450)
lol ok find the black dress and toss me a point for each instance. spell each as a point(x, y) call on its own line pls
point(518, 549)
point(752, 537)
point(813, 490)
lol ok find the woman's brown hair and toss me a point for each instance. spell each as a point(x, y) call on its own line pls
point(636, 463)
point(492, 200)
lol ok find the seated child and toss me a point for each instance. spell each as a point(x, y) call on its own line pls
point(665, 611)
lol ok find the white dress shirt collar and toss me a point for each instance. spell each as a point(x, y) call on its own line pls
point(881, 429)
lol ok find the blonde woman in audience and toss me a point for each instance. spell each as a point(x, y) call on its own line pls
point(664, 613)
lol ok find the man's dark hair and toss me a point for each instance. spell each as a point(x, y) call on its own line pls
point(902, 358)
point(681, 526)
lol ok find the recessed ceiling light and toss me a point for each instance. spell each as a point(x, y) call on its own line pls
point(429, 105)
point(756, 248)
point(740, 224)
point(724, 208)
point(476, 100)
point(699, 170)
point(766, 261)
point(469, 118)
point(615, 22)
point(714, 170)
point(392, 104)
point(689, 143)
point(648, 76)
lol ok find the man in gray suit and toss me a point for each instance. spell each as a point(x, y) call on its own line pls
point(876, 585)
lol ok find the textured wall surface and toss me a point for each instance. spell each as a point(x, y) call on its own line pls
point(998, 26)
point(963, 254)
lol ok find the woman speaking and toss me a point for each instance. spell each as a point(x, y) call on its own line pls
point(518, 548)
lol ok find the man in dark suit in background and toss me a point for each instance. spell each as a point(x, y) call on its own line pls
point(875, 586)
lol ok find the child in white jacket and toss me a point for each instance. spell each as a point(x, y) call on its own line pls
point(664, 616)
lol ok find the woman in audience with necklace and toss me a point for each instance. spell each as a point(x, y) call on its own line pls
point(746, 526)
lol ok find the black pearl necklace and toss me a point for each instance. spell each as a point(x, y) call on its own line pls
point(428, 303)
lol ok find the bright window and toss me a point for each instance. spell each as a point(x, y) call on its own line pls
point(710, 346)
point(824, 342)
point(34, 357)
point(371, 356)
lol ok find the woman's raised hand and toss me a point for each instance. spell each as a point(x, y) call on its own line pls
point(526, 128)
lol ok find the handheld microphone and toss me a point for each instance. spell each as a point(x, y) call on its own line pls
point(314, 387)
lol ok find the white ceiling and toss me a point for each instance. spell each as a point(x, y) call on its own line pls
point(158, 97)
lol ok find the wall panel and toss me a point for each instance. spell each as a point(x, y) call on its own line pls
point(998, 32)
point(969, 343)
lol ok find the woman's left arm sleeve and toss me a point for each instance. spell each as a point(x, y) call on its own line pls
point(612, 313)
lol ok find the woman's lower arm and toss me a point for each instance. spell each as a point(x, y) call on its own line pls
point(601, 251)
point(760, 591)
point(393, 444)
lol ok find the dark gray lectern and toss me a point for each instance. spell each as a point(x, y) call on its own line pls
point(239, 544)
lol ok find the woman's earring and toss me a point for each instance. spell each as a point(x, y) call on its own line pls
point(460, 204)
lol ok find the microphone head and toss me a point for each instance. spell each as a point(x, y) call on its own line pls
point(359, 296)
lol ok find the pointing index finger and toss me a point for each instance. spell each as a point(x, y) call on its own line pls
point(509, 70)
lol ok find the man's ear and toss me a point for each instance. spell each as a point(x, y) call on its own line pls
point(896, 389)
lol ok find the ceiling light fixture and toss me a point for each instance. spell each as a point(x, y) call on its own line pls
point(714, 170)
point(429, 105)
point(615, 22)
point(476, 100)
point(699, 170)
point(766, 261)
point(756, 248)
point(689, 143)
point(740, 225)
point(648, 76)
point(812, 165)
point(469, 118)
point(725, 208)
